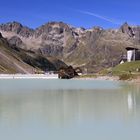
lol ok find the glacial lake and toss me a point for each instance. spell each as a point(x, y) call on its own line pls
point(69, 110)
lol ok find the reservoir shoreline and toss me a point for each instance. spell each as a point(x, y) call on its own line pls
point(55, 76)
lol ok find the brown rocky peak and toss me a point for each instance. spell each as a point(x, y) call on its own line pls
point(17, 28)
point(125, 28)
point(52, 28)
point(11, 26)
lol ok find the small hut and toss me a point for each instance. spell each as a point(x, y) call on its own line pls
point(133, 54)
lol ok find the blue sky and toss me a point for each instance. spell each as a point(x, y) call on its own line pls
point(79, 13)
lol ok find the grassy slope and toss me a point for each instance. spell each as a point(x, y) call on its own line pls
point(127, 68)
point(126, 71)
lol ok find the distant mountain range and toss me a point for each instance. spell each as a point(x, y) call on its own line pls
point(56, 44)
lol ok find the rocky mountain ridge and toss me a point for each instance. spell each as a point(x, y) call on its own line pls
point(91, 49)
point(13, 60)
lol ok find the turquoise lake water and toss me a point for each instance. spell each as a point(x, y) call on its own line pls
point(69, 110)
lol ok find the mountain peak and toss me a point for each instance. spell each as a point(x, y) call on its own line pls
point(17, 28)
point(125, 28)
point(16, 23)
point(11, 26)
point(125, 23)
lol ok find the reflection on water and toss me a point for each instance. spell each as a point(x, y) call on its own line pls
point(133, 98)
point(70, 113)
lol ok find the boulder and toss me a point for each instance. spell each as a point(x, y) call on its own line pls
point(67, 73)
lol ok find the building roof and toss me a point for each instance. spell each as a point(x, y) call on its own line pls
point(130, 48)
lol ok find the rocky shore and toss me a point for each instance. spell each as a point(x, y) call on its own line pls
point(110, 78)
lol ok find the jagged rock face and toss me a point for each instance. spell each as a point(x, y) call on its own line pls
point(137, 33)
point(17, 28)
point(93, 49)
point(133, 32)
point(125, 28)
point(16, 41)
point(51, 28)
point(56, 39)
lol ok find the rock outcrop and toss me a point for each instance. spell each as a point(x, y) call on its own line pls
point(17, 28)
point(15, 41)
point(125, 28)
point(67, 73)
point(132, 31)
